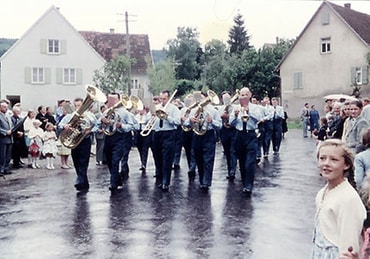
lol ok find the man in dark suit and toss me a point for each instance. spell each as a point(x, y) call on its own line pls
point(6, 140)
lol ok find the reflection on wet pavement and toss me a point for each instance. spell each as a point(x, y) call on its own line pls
point(42, 216)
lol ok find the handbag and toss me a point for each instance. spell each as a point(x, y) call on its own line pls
point(34, 149)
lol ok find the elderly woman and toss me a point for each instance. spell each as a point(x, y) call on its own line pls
point(358, 124)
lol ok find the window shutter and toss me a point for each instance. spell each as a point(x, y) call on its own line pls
point(27, 75)
point(43, 46)
point(63, 47)
point(325, 18)
point(59, 76)
point(79, 76)
point(364, 75)
point(47, 75)
point(353, 75)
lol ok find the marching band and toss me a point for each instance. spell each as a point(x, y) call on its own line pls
point(196, 125)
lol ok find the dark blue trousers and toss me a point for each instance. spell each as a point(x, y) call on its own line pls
point(115, 147)
point(163, 152)
point(268, 127)
point(246, 151)
point(143, 144)
point(228, 136)
point(277, 133)
point(204, 151)
point(187, 143)
point(81, 158)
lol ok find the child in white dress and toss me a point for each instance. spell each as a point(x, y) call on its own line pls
point(35, 135)
point(50, 145)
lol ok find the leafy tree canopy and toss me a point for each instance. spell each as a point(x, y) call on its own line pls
point(113, 77)
point(186, 51)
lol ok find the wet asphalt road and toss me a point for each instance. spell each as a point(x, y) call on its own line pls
point(42, 216)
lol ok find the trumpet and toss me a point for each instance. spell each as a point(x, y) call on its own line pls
point(158, 113)
point(245, 116)
point(198, 127)
point(235, 97)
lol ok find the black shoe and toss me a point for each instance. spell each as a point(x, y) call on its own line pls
point(230, 177)
point(258, 160)
point(17, 166)
point(165, 188)
point(112, 188)
point(191, 175)
point(81, 187)
point(204, 188)
point(176, 167)
point(247, 191)
point(142, 168)
point(7, 172)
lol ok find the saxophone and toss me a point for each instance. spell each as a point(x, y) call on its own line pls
point(79, 125)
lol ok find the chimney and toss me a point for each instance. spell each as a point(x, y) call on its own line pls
point(347, 5)
point(277, 40)
point(111, 30)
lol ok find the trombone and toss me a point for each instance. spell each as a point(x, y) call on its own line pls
point(158, 113)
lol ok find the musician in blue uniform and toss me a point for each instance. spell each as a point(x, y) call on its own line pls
point(245, 118)
point(277, 125)
point(204, 121)
point(118, 141)
point(81, 153)
point(164, 140)
point(227, 135)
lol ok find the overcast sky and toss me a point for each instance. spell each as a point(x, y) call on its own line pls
point(264, 19)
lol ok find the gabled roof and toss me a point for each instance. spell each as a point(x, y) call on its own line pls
point(358, 22)
point(56, 11)
point(111, 45)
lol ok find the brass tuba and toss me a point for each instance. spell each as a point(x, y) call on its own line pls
point(200, 128)
point(110, 128)
point(79, 127)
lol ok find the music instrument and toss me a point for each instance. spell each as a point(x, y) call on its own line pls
point(79, 125)
point(110, 128)
point(244, 116)
point(160, 113)
point(201, 124)
point(228, 106)
point(136, 103)
point(186, 114)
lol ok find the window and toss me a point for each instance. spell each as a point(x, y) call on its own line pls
point(325, 19)
point(359, 75)
point(38, 76)
point(325, 46)
point(135, 84)
point(297, 80)
point(53, 47)
point(69, 76)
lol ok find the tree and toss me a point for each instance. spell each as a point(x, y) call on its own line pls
point(113, 77)
point(186, 52)
point(238, 37)
point(162, 76)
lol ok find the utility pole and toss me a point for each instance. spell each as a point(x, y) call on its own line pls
point(128, 53)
